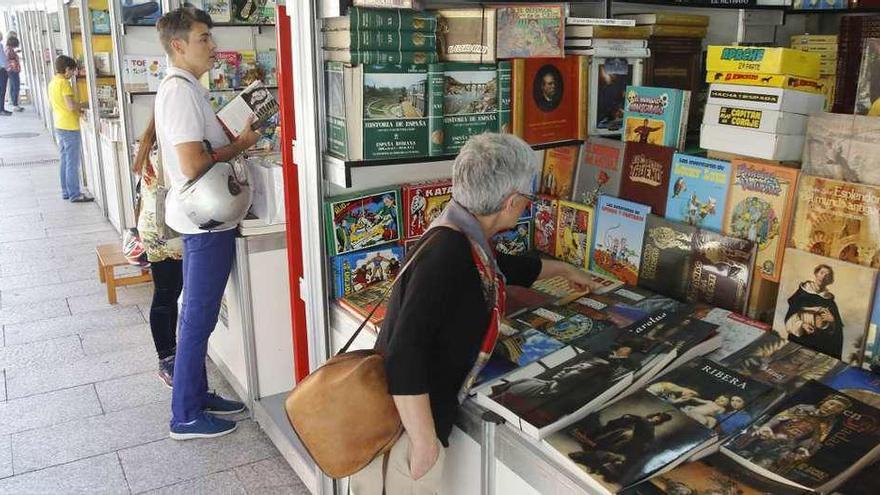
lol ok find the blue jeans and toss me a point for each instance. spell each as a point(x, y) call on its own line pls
point(4, 78)
point(14, 88)
point(207, 261)
point(69, 141)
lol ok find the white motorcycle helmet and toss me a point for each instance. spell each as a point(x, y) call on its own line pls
point(219, 198)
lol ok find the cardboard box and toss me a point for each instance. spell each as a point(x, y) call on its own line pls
point(747, 142)
point(762, 98)
point(267, 179)
point(766, 80)
point(758, 120)
point(763, 60)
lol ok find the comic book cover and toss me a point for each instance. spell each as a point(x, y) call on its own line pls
point(361, 303)
point(759, 208)
point(547, 97)
point(514, 241)
point(736, 331)
point(557, 176)
point(721, 270)
point(656, 115)
point(353, 272)
point(619, 234)
point(860, 384)
point(824, 304)
point(838, 219)
point(267, 62)
point(574, 233)
point(698, 189)
point(645, 177)
point(362, 221)
point(599, 170)
point(248, 70)
point(666, 257)
point(526, 347)
point(530, 31)
point(842, 147)
point(422, 204)
point(544, 237)
point(219, 10)
point(609, 78)
point(224, 74)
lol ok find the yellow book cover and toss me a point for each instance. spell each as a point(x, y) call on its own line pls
point(557, 176)
point(767, 80)
point(574, 233)
point(808, 39)
point(763, 60)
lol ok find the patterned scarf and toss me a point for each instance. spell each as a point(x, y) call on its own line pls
point(492, 282)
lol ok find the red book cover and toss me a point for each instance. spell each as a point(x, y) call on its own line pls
point(557, 177)
point(645, 177)
point(422, 203)
point(547, 96)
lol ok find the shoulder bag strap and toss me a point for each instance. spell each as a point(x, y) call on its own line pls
point(159, 169)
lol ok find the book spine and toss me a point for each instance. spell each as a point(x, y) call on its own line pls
point(385, 58)
point(611, 52)
point(435, 109)
point(384, 4)
point(337, 135)
point(583, 97)
point(594, 21)
point(518, 95)
point(504, 97)
point(363, 40)
point(391, 20)
point(681, 20)
point(612, 43)
point(683, 119)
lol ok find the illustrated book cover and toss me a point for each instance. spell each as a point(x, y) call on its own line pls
point(599, 170)
point(544, 225)
point(471, 102)
point(698, 190)
point(736, 331)
point(557, 175)
point(267, 63)
point(219, 10)
point(353, 272)
point(617, 241)
point(645, 176)
point(361, 303)
point(574, 233)
point(842, 147)
point(422, 204)
point(666, 257)
point(530, 31)
point(527, 347)
point(609, 78)
point(141, 12)
point(547, 99)
point(721, 270)
point(517, 240)
point(224, 73)
point(248, 71)
point(362, 220)
point(656, 115)
point(857, 383)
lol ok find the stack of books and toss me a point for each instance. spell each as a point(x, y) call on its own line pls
point(759, 101)
point(669, 25)
point(381, 36)
point(826, 46)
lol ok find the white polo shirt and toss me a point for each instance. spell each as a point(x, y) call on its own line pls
point(183, 115)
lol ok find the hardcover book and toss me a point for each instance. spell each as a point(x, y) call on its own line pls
point(530, 31)
point(607, 32)
point(856, 383)
point(547, 98)
point(813, 440)
point(543, 318)
point(736, 331)
point(219, 10)
point(599, 170)
point(824, 304)
point(422, 204)
point(578, 326)
point(545, 225)
point(574, 233)
point(759, 209)
point(842, 147)
point(609, 78)
point(619, 234)
point(767, 80)
point(255, 102)
point(361, 303)
point(399, 41)
point(656, 115)
point(557, 176)
point(698, 189)
point(354, 272)
point(645, 177)
point(380, 57)
point(370, 19)
point(527, 347)
point(721, 270)
point(224, 74)
point(666, 257)
point(267, 62)
point(141, 12)
point(467, 35)
point(362, 220)
point(515, 241)
point(470, 103)
point(667, 18)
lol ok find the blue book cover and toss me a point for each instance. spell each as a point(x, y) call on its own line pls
point(618, 237)
point(655, 115)
point(514, 241)
point(527, 347)
point(872, 350)
point(854, 382)
point(353, 272)
point(698, 191)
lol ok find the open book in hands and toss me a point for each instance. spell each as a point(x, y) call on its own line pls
point(255, 101)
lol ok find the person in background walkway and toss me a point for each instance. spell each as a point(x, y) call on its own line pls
point(65, 112)
point(185, 121)
point(165, 256)
point(4, 79)
point(13, 70)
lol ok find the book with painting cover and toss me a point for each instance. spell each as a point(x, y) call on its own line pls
point(527, 347)
point(471, 105)
point(267, 63)
point(759, 208)
point(554, 392)
point(721, 270)
point(736, 331)
point(857, 383)
point(530, 31)
point(224, 73)
point(219, 10)
point(667, 257)
point(362, 220)
point(609, 78)
point(557, 175)
point(544, 225)
point(574, 233)
point(514, 241)
point(824, 304)
point(422, 204)
point(547, 99)
point(353, 272)
point(656, 115)
point(617, 241)
point(814, 439)
point(599, 170)
point(842, 147)
point(698, 190)
point(645, 176)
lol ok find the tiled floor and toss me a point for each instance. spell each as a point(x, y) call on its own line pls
point(81, 409)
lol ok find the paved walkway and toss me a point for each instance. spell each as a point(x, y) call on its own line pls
point(81, 408)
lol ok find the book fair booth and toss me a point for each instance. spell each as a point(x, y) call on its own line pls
point(713, 164)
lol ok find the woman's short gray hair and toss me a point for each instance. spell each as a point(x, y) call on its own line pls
point(489, 168)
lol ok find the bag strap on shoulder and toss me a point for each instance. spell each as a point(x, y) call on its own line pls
point(160, 172)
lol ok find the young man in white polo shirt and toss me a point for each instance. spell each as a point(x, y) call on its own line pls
point(185, 121)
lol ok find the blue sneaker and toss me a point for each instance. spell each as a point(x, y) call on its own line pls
point(205, 426)
point(215, 404)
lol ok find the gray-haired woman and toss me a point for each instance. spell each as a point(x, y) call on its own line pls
point(434, 338)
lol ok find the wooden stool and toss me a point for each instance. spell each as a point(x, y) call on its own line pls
point(110, 256)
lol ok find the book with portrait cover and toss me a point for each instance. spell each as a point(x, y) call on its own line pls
point(721, 270)
point(656, 115)
point(843, 147)
point(517, 240)
point(547, 99)
point(599, 170)
point(629, 441)
point(553, 392)
point(356, 271)
point(609, 78)
point(422, 203)
point(544, 226)
point(645, 176)
point(759, 209)
point(666, 257)
point(857, 383)
point(557, 175)
point(824, 304)
point(698, 189)
point(815, 439)
point(574, 233)
point(618, 238)
point(530, 31)
point(736, 331)
point(362, 220)
point(527, 347)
